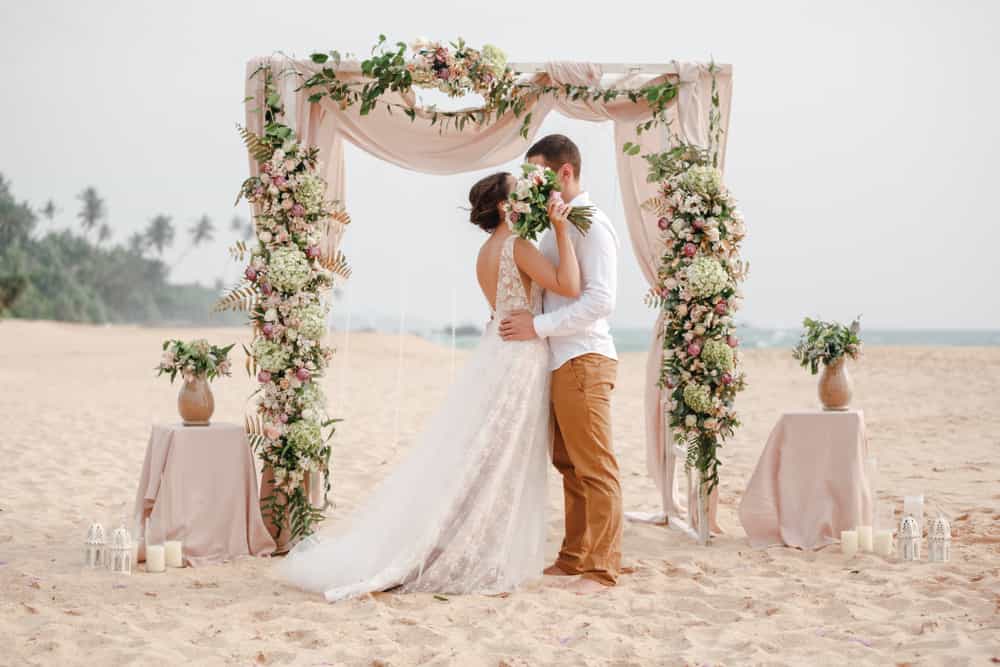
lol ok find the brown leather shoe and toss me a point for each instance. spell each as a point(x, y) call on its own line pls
point(555, 571)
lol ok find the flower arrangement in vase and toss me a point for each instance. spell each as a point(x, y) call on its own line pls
point(828, 343)
point(197, 362)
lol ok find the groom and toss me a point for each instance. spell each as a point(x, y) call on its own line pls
point(584, 365)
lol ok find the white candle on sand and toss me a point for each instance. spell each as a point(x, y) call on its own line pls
point(849, 542)
point(883, 542)
point(865, 538)
point(173, 553)
point(155, 558)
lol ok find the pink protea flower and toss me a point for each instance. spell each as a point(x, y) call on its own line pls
point(267, 330)
point(727, 379)
point(698, 224)
point(263, 377)
point(251, 274)
point(694, 349)
point(266, 289)
point(732, 341)
point(283, 418)
point(279, 181)
point(298, 210)
point(663, 224)
point(690, 249)
point(303, 374)
point(312, 252)
point(721, 308)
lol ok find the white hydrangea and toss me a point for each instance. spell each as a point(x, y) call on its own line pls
point(706, 277)
point(288, 269)
point(272, 357)
point(312, 321)
point(703, 179)
point(310, 192)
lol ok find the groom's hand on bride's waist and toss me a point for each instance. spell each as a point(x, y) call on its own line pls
point(519, 325)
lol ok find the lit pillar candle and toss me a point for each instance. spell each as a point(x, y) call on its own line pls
point(865, 538)
point(174, 555)
point(849, 542)
point(155, 558)
point(883, 543)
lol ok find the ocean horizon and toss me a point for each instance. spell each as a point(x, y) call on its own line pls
point(638, 339)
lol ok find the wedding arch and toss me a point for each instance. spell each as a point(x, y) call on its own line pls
point(670, 121)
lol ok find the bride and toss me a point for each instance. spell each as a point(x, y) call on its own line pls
point(464, 512)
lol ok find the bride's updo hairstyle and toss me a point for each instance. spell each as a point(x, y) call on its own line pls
point(485, 197)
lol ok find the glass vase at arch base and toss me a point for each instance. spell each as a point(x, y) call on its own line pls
point(698, 498)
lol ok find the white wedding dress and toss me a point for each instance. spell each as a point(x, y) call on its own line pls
point(464, 510)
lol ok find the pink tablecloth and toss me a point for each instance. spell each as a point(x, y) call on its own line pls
point(810, 482)
point(199, 485)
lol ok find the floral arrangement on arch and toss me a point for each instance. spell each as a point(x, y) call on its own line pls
point(458, 69)
point(698, 291)
point(283, 290)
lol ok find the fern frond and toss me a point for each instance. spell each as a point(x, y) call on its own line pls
point(337, 264)
point(656, 205)
point(258, 148)
point(251, 362)
point(653, 299)
point(239, 251)
point(241, 297)
point(340, 215)
point(253, 424)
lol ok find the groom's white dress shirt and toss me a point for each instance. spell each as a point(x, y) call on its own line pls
point(579, 326)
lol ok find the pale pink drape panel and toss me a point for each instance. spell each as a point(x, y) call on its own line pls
point(423, 147)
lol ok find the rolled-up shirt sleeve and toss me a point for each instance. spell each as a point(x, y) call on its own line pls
point(598, 257)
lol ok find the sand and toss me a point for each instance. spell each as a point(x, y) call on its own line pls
point(77, 401)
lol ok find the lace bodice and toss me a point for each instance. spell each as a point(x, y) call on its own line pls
point(511, 294)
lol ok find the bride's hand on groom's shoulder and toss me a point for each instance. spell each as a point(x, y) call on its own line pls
point(519, 325)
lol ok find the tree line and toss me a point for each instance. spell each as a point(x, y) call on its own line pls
point(78, 274)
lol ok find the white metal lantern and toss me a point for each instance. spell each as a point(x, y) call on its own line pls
point(120, 553)
point(94, 547)
point(909, 538)
point(939, 541)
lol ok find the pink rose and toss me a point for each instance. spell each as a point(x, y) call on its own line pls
point(694, 349)
point(312, 252)
point(263, 377)
point(732, 341)
point(279, 181)
point(266, 289)
point(266, 167)
point(268, 331)
point(250, 273)
point(298, 210)
point(721, 308)
point(698, 224)
point(727, 378)
point(272, 432)
point(302, 374)
point(514, 216)
point(283, 418)
point(690, 249)
point(663, 224)
point(443, 73)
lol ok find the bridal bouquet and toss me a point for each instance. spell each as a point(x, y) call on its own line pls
point(193, 359)
point(528, 203)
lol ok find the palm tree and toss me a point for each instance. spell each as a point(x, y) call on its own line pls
point(160, 233)
point(240, 224)
point(93, 210)
point(137, 243)
point(202, 230)
point(103, 233)
point(49, 210)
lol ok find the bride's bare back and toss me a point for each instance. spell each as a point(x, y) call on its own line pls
point(488, 268)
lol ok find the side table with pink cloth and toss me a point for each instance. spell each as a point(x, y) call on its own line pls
point(810, 482)
point(199, 485)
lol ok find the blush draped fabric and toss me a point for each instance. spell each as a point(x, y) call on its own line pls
point(199, 485)
point(810, 482)
point(420, 146)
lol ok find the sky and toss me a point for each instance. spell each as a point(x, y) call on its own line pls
point(862, 146)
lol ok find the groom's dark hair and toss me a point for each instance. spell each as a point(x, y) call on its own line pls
point(557, 150)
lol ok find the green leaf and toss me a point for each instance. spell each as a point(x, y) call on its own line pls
point(319, 58)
